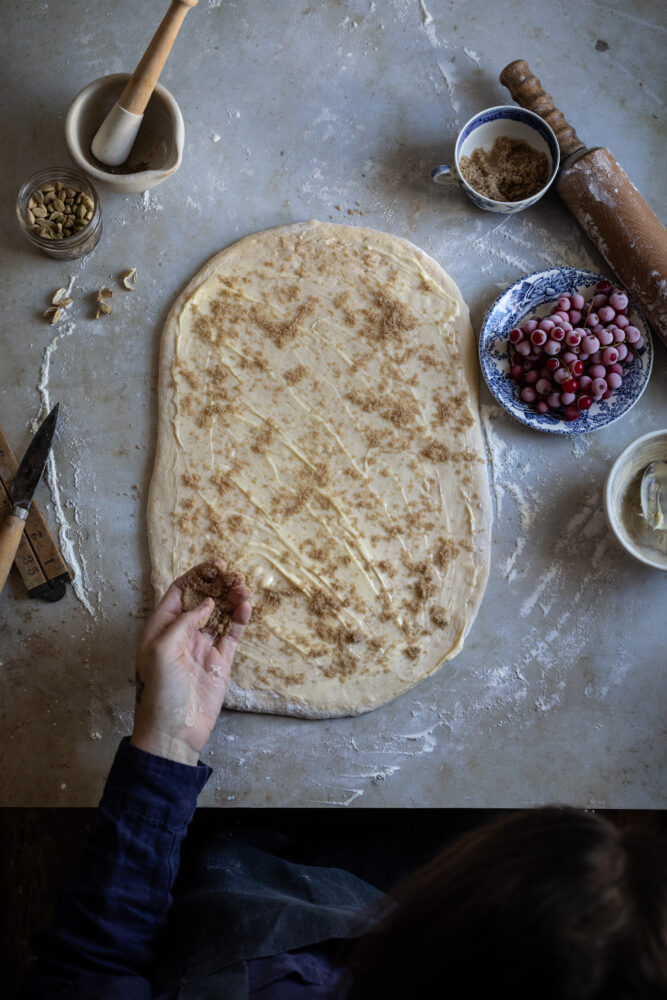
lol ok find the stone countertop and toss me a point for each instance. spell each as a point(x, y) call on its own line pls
point(335, 111)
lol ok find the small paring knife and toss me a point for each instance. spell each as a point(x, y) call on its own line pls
point(22, 491)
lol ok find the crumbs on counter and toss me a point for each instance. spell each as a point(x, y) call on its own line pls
point(103, 307)
point(358, 210)
point(60, 301)
point(129, 278)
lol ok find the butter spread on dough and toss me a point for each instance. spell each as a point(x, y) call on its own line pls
point(318, 428)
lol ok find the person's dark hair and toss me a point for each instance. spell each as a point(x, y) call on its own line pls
point(547, 904)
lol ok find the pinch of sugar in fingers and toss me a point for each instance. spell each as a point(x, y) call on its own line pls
point(208, 581)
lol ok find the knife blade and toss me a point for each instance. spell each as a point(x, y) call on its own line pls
point(22, 491)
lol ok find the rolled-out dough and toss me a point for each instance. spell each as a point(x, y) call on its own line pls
point(318, 428)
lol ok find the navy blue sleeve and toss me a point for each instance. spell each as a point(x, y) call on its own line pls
point(113, 905)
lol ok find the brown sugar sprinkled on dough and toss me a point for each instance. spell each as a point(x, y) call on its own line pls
point(445, 552)
point(432, 360)
point(260, 360)
point(396, 318)
point(389, 322)
point(436, 451)
point(208, 414)
point(263, 439)
point(272, 597)
point(189, 404)
point(295, 375)
point(439, 617)
point(208, 581)
point(266, 601)
point(425, 585)
point(400, 412)
point(188, 376)
point(343, 665)
point(454, 412)
point(322, 604)
point(224, 481)
point(216, 523)
point(337, 498)
point(203, 328)
point(282, 333)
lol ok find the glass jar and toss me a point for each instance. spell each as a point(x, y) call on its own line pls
point(54, 238)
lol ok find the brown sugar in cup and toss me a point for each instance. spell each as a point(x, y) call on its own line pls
point(511, 171)
point(208, 581)
point(513, 125)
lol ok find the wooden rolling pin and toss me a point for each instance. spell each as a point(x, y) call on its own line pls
point(604, 201)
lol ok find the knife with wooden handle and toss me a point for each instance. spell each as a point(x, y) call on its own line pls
point(23, 489)
point(604, 201)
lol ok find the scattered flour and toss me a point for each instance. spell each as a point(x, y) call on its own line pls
point(428, 24)
point(354, 793)
point(551, 655)
point(451, 80)
point(544, 583)
point(150, 202)
point(65, 539)
point(427, 17)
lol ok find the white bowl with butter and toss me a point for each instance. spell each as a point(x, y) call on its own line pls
point(623, 502)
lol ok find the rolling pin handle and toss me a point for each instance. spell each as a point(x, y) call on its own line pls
point(527, 91)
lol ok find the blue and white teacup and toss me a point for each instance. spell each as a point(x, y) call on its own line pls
point(482, 130)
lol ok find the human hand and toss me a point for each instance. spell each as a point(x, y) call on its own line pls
point(182, 673)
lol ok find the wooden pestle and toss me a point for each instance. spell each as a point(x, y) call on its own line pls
point(115, 137)
point(604, 202)
point(141, 84)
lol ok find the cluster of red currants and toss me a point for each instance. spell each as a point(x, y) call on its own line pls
point(575, 356)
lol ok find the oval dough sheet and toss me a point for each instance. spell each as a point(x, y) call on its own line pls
point(318, 428)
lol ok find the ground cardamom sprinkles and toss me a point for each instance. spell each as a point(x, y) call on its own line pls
point(511, 171)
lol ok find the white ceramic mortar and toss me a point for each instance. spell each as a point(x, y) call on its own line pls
point(640, 453)
point(157, 151)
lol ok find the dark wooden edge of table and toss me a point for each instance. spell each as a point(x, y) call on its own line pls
point(38, 846)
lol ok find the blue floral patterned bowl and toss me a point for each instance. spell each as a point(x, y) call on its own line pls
point(535, 294)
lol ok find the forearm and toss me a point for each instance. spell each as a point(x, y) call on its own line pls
point(113, 905)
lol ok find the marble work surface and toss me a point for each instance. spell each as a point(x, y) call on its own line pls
point(335, 111)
